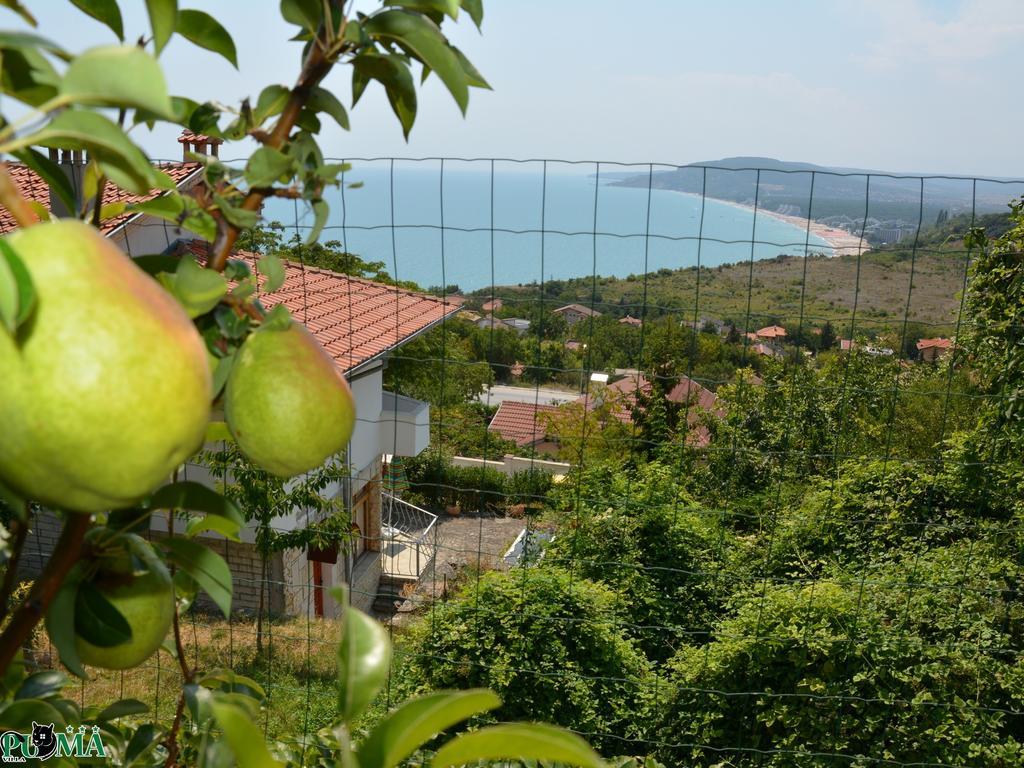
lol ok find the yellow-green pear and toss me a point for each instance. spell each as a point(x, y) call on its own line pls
point(106, 389)
point(286, 402)
point(141, 590)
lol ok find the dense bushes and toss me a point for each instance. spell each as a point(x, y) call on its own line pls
point(547, 642)
point(639, 533)
point(859, 668)
point(877, 510)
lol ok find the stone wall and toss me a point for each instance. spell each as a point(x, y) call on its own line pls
point(242, 559)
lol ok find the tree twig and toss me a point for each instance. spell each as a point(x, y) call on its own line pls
point(28, 614)
point(20, 529)
point(318, 63)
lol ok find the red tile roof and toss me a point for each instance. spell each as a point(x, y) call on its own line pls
point(522, 423)
point(578, 309)
point(355, 320)
point(34, 188)
point(622, 394)
point(630, 320)
point(937, 343)
point(772, 332)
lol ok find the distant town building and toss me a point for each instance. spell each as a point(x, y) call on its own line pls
point(494, 305)
point(573, 313)
point(630, 320)
point(518, 324)
point(525, 424)
point(771, 333)
point(933, 349)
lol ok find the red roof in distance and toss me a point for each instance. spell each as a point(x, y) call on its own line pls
point(522, 423)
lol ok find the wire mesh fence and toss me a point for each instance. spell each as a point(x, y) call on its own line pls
point(704, 470)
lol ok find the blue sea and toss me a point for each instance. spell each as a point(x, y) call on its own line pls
point(472, 224)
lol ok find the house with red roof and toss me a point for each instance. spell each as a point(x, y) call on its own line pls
point(573, 313)
point(360, 323)
point(525, 424)
point(931, 350)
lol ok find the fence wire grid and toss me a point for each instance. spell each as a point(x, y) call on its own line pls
point(690, 536)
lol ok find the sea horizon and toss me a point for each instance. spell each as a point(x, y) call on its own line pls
point(524, 225)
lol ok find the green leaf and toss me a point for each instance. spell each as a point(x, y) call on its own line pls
point(196, 497)
point(475, 9)
point(220, 377)
point(198, 289)
point(364, 657)
point(17, 294)
point(273, 270)
point(320, 211)
point(154, 264)
point(267, 166)
point(422, 39)
point(229, 681)
point(27, 75)
point(277, 319)
point(21, 10)
point(393, 73)
point(205, 31)
point(141, 742)
point(81, 129)
point(208, 569)
point(323, 100)
point(182, 211)
point(117, 76)
point(418, 721)
point(517, 741)
point(42, 685)
point(122, 708)
point(243, 737)
point(473, 76)
point(163, 14)
point(226, 528)
point(430, 7)
point(60, 624)
point(104, 11)
point(303, 13)
point(19, 715)
point(51, 173)
point(97, 620)
point(236, 215)
point(271, 102)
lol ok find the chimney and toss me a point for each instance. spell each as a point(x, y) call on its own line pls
point(72, 162)
point(199, 144)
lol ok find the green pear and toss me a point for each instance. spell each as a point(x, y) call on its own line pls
point(106, 390)
point(286, 403)
point(142, 591)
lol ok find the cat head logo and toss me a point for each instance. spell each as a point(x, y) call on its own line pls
point(45, 741)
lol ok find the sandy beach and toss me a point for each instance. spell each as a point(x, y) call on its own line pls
point(840, 241)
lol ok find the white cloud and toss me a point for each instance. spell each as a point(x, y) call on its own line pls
point(910, 32)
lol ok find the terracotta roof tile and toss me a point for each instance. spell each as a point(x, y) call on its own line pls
point(939, 343)
point(522, 423)
point(579, 309)
point(34, 188)
point(354, 319)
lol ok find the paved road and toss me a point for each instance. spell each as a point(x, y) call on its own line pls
point(502, 392)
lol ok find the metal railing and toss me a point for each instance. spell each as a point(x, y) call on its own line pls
point(406, 537)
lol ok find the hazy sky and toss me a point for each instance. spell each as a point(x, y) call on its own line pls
point(900, 85)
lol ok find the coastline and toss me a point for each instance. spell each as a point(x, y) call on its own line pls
point(840, 241)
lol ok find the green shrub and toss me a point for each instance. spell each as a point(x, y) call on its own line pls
point(546, 642)
point(867, 669)
point(876, 510)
